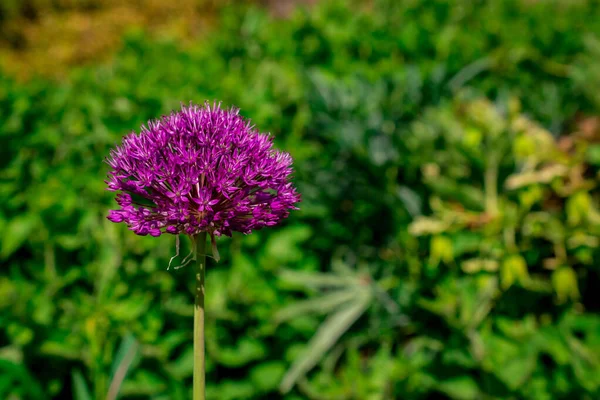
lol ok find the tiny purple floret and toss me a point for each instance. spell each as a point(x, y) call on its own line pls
point(202, 169)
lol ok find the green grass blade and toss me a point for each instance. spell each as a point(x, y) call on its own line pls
point(123, 360)
point(80, 388)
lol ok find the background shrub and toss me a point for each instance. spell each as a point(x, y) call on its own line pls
point(447, 245)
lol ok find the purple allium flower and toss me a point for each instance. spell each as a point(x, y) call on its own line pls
point(202, 169)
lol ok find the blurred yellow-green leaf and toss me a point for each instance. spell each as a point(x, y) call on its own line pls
point(565, 284)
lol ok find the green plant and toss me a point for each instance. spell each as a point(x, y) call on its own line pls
point(382, 107)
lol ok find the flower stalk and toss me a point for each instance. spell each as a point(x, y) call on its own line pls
point(199, 357)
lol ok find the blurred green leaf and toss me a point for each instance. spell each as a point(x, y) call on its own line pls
point(514, 269)
point(16, 233)
point(565, 284)
point(303, 279)
point(126, 353)
point(422, 132)
point(80, 388)
point(462, 387)
point(267, 376)
point(329, 332)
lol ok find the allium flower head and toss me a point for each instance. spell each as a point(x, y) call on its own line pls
point(202, 169)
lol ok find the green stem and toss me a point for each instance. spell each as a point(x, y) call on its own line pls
point(199, 370)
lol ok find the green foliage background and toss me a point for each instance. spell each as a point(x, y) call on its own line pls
point(448, 240)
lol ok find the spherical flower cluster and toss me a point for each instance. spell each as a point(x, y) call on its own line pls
point(202, 169)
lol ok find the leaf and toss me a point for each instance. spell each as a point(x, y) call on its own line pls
point(18, 230)
point(441, 250)
point(63, 349)
point(315, 279)
point(475, 265)
point(511, 361)
point(578, 207)
point(470, 196)
point(329, 332)
point(80, 388)
point(246, 350)
point(564, 281)
point(427, 225)
point(411, 200)
point(593, 154)
point(183, 366)
point(517, 371)
point(266, 376)
point(121, 364)
point(143, 384)
point(232, 390)
point(545, 176)
point(461, 387)
point(285, 247)
point(15, 371)
point(552, 342)
point(319, 305)
point(130, 308)
point(514, 269)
